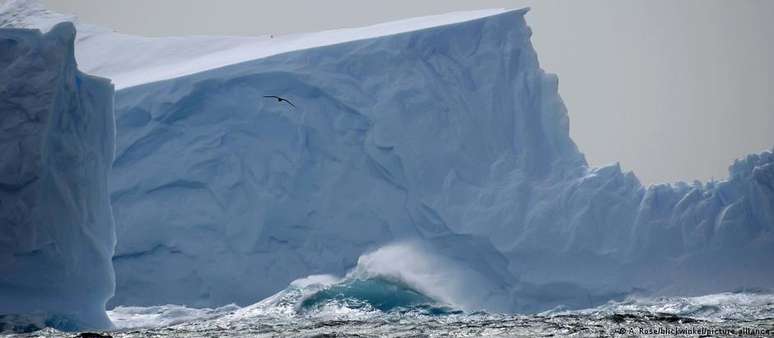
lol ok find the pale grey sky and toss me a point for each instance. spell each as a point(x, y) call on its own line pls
point(674, 90)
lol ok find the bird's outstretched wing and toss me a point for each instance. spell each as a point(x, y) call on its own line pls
point(280, 99)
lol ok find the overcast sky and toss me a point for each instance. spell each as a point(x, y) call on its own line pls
point(673, 90)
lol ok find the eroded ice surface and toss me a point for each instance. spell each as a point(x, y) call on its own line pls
point(451, 134)
point(56, 147)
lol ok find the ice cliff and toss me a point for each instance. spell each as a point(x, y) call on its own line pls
point(222, 195)
point(57, 142)
point(442, 131)
point(428, 134)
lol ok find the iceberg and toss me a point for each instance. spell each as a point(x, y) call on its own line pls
point(442, 130)
point(222, 195)
point(449, 130)
point(56, 226)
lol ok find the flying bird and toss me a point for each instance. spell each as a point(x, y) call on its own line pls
point(280, 99)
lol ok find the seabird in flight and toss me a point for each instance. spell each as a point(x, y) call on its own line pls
point(280, 99)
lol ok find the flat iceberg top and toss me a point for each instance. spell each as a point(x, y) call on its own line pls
point(131, 60)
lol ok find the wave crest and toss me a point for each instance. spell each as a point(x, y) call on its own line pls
point(378, 293)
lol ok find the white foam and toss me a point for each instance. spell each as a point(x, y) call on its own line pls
point(131, 317)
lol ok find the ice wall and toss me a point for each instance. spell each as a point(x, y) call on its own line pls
point(222, 195)
point(57, 143)
point(453, 129)
point(601, 235)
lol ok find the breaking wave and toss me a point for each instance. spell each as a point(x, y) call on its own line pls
point(395, 279)
point(378, 293)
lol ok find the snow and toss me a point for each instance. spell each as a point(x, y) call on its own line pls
point(57, 143)
point(442, 131)
point(132, 60)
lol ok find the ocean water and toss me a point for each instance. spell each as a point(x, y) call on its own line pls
point(322, 306)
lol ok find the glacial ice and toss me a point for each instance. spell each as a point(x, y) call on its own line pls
point(57, 142)
point(259, 191)
point(441, 131)
point(431, 134)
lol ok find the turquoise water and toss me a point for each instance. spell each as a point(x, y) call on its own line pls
point(378, 294)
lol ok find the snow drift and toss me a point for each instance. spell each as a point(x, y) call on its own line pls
point(57, 142)
point(439, 130)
